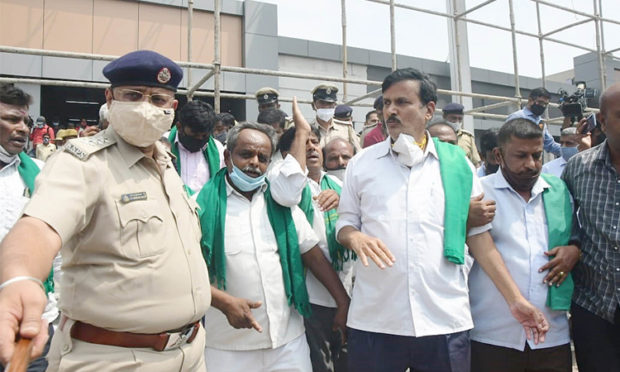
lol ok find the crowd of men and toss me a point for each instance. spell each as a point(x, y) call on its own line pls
point(191, 242)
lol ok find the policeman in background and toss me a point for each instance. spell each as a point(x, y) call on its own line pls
point(453, 114)
point(135, 282)
point(267, 99)
point(324, 103)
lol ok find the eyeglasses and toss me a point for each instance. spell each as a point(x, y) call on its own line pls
point(157, 99)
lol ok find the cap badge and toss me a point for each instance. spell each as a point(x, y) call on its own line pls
point(328, 90)
point(266, 96)
point(164, 75)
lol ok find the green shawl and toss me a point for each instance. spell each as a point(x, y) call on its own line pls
point(28, 171)
point(457, 179)
point(559, 215)
point(211, 154)
point(337, 253)
point(212, 200)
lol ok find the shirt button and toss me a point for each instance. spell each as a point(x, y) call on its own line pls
point(65, 348)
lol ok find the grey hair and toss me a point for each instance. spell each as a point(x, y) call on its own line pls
point(568, 131)
point(233, 134)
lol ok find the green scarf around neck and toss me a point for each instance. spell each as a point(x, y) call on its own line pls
point(211, 154)
point(337, 253)
point(559, 213)
point(28, 171)
point(457, 179)
point(212, 200)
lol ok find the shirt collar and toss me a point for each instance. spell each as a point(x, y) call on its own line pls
point(537, 189)
point(14, 163)
point(602, 153)
point(386, 147)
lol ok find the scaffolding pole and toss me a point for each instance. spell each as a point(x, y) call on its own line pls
point(190, 91)
point(514, 53)
point(190, 16)
point(343, 6)
point(541, 47)
point(360, 98)
point(599, 51)
point(393, 35)
point(217, 62)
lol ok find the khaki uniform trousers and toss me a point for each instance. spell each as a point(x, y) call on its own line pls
point(69, 355)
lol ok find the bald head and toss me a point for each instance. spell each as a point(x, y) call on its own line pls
point(608, 95)
point(443, 132)
point(337, 153)
point(610, 117)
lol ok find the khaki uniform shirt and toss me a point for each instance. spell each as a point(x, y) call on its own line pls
point(130, 236)
point(466, 141)
point(340, 129)
point(44, 151)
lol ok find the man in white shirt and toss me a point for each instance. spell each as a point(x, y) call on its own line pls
point(17, 174)
point(411, 308)
point(569, 147)
point(198, 155)
point(526, 230)
point(255, 249)
point(318, 199)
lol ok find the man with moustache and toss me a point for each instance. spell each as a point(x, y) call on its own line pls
point(256, 251)
point(593, 178)
point(135, 288)
point(404, 206)
point(336, 155)
point(531, 230)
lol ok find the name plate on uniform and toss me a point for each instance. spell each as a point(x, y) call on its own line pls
point(128, 198)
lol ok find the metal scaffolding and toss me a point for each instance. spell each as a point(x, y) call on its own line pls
point(215, 69)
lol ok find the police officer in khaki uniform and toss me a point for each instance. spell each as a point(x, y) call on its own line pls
point(267, 99)
point(324, 103)
point(134, 283)
point(453, 114)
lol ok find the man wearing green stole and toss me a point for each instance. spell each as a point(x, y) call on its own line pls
point(404, 205)
point(531, 230)
point(256, 251)
point(17, 174)
point(318, 199)
point(198, 155)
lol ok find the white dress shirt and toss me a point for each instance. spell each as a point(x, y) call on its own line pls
point(519, 231)
point(423, 293)
point(13, 199)
point(194, 167)
point(286, 179)
point(555, 167)
point(319, 295)
point(253, 272)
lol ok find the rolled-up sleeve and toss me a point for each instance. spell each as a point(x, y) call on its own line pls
point(287, 181)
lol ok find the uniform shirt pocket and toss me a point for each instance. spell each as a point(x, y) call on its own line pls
point(142, 232)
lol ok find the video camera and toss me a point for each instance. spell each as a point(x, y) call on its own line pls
point(574, 105)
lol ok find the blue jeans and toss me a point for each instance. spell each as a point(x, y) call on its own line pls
point(379, 352)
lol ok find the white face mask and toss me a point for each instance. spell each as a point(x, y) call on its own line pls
point(140, 123)
point(325, 114)
point(338, 173)
point(408, 152)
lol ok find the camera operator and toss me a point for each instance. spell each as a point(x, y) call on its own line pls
point(536, 105)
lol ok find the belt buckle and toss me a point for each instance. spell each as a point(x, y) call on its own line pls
point(178, 339)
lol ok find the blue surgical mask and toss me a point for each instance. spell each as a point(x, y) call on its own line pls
point(568, 152)
point(244, 182)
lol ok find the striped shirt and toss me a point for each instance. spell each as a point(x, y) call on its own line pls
point(595, 185)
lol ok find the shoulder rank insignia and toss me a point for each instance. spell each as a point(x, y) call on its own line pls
point(83, 147)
